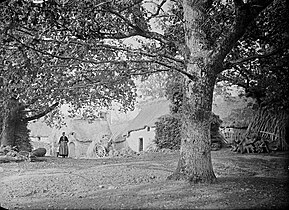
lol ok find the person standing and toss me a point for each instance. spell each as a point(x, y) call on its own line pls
point(63, 146)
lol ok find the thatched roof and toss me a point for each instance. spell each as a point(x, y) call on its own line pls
point(81, 130)
point(118, 129)
point(119, 138)
point(148, 115)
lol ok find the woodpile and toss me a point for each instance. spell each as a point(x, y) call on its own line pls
point(252, 144)
point(266, 133)
point(10, 154)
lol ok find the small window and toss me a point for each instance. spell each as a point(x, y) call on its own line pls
point(140, 148)
point(148, 128)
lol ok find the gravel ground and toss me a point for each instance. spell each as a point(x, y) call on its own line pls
point(244, 181)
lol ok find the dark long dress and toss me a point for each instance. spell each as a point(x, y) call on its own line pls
point(63, 147)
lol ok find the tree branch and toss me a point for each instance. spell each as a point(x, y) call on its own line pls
point(95, 47)
point(244, 16)
point(37, 116)
point(232, 81)
point(92, 61)
point(191, 76)
point(231, 64)
point(121, 17)
point(136, 2)
point(158, 10)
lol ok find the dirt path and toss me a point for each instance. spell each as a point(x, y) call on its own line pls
point(244, 181)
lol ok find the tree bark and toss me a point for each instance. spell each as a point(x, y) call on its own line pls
point(10, 119)
point(14, 124)
point(195, 163)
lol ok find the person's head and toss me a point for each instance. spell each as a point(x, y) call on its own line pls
point(63, 133)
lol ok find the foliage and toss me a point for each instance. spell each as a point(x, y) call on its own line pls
point(168, 130)
point(77, 53)
point(262, 59)
point(215, 123)
point(261, 68)
point(175, 91)
point(42, 62)
point(152, 87)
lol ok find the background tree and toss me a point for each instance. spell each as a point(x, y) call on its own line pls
point(263, 72)
point(38, 74)
point(151, 87)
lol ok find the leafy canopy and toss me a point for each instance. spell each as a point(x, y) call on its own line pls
point(65, 53)
point(261, 59)
point(79, 52)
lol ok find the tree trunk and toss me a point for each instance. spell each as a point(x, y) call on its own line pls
point(14, 124)
point(9, 124)
point(195, 155)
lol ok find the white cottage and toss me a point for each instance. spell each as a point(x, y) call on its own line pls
point(140, 133)
point(81, 134)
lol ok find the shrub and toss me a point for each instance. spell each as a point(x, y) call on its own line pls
point(168, 132)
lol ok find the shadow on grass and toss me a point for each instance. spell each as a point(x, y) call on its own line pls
point(39, 159)
point(226, 192)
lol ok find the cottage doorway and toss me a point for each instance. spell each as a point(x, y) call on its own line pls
point(140, 144)
point(71, 150)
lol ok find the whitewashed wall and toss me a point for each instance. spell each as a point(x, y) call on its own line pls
point(148, 137)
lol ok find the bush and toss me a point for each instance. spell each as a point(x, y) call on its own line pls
point(168, 133)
